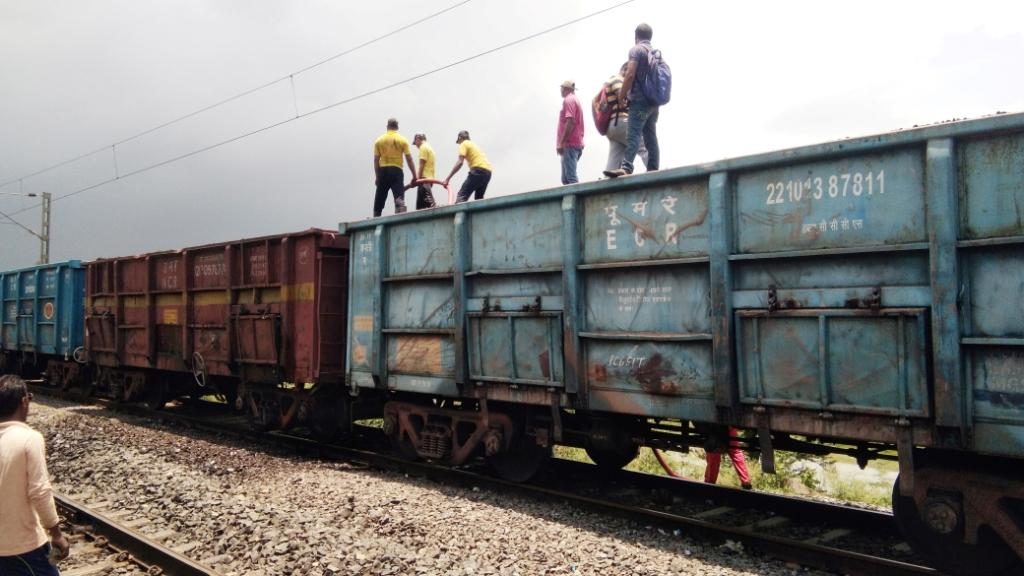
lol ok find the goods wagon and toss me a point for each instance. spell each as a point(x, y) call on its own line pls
point(42, 320)
point(260, 321)
point(863, 297)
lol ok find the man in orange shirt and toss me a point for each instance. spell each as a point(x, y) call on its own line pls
point(27, 510)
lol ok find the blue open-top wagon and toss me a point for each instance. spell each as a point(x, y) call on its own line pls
point(42, 317)
point(863, 297)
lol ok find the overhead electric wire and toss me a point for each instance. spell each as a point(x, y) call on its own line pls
point(239, 95)
point(338, 103)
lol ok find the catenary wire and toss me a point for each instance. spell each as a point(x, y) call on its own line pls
point(335, 104)
point(239, 95)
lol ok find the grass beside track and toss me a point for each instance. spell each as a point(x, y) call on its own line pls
point(834, 477)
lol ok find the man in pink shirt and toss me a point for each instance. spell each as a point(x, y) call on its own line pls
point(569, 143)
point(29, 525)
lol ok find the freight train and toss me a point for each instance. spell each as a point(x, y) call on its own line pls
point(861, 297)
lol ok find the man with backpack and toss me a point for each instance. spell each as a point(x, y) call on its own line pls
point(611, 115)
point(646, 86)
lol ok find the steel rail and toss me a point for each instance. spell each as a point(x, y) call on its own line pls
point(141, 549)
point(808, 554)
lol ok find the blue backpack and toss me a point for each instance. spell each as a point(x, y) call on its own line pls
point(657, 86)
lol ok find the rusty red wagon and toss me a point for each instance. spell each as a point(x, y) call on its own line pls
point(259, 321)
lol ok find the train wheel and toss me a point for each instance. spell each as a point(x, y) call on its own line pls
point(990, 556)
point(327, 414)
point(156, 394)
point(400, 443)
point(264, 413)
point(610, 460)
point(521, 460)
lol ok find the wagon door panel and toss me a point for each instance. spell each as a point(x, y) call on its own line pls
point(831, 290)
point(258, 348)
point(835, 360)
point(10, 311)
point(420, 335)
point(516, 349)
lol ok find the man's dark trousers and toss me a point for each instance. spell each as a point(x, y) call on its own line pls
point(477, 182)
point(390, 179)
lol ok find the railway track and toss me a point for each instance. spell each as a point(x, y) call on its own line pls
point(840, 539)
point(100, 545)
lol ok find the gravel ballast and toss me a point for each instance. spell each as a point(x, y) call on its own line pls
point(248, 510)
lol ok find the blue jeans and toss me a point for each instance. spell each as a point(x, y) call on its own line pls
point(34, 563)
point(643, 122)
point(570, 157)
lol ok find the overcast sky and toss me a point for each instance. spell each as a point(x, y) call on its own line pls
point(77, 76)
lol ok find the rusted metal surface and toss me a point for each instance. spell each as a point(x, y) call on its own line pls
point(447, 435)
point(267, 309)
point(839, 360)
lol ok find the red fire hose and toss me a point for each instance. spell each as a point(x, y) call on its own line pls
point(664, 464)
point(415, 183)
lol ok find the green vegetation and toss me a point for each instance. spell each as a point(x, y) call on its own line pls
point(835, 477)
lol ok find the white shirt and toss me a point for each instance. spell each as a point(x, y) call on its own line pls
point(26, 498)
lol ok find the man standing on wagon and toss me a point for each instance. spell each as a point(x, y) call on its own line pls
point(479, 169)
point(424, 194)
point(387, 168)
point(569, 138)
point(643, 115)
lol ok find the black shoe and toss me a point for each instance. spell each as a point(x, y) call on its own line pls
point(616, 173)
point(747, 486)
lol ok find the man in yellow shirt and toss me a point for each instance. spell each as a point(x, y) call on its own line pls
point(387, 167)
point(479, 169)
point(29, 525)
point(424, 194)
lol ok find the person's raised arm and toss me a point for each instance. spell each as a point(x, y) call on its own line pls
point(458, 165)
point(412, 167)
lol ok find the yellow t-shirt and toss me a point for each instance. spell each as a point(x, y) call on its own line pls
point(390, 148)
point(427, 153)
point(473, 155)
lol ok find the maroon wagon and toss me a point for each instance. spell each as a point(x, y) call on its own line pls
point(260, 321)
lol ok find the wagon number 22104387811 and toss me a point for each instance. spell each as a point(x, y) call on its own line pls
point(835, 186)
